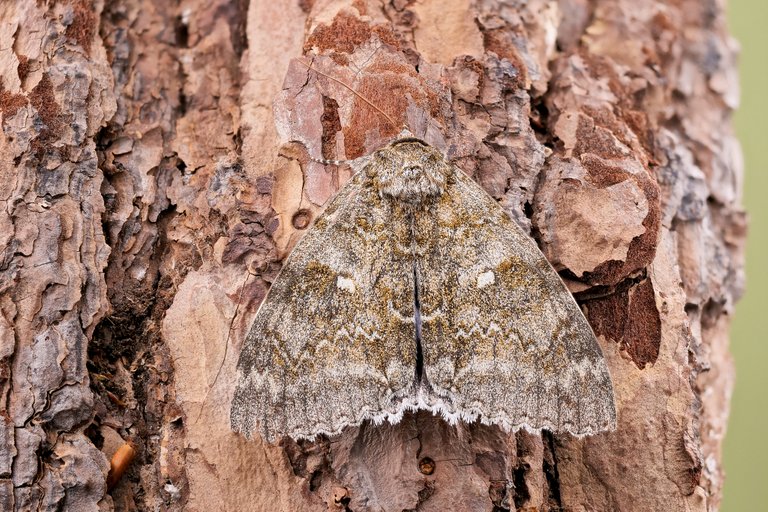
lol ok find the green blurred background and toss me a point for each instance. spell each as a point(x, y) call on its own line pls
point(746, 449)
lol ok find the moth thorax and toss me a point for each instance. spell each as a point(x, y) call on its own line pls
point(410, 172)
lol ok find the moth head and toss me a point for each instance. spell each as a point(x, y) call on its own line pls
point(409, 170)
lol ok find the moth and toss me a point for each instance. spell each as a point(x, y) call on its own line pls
point(415, 290)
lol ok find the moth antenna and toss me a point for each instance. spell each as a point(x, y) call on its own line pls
point(325, 161)
point(329, 77)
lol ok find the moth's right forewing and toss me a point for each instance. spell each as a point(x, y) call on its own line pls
point(503, 338)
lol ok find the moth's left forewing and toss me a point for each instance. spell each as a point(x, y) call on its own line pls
point(503, 338)
point(331, 345)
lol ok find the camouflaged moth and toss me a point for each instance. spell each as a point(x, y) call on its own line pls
point(415, 290)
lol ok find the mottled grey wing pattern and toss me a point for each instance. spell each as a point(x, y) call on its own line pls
point(502, 337)
point(415, 290)
point(334, 341)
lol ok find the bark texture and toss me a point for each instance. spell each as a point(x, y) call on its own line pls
point(155, 169)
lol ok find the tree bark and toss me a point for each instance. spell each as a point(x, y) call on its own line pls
point(156, 168)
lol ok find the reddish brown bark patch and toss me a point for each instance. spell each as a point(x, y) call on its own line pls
point(390, 86)
point(10, 103)
point(346, 33)
point(44, 101)
point(84, 24)
point(643, 128)
point(331, 126)
point(23, 68)
point(602, 174)
point(630, 318)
